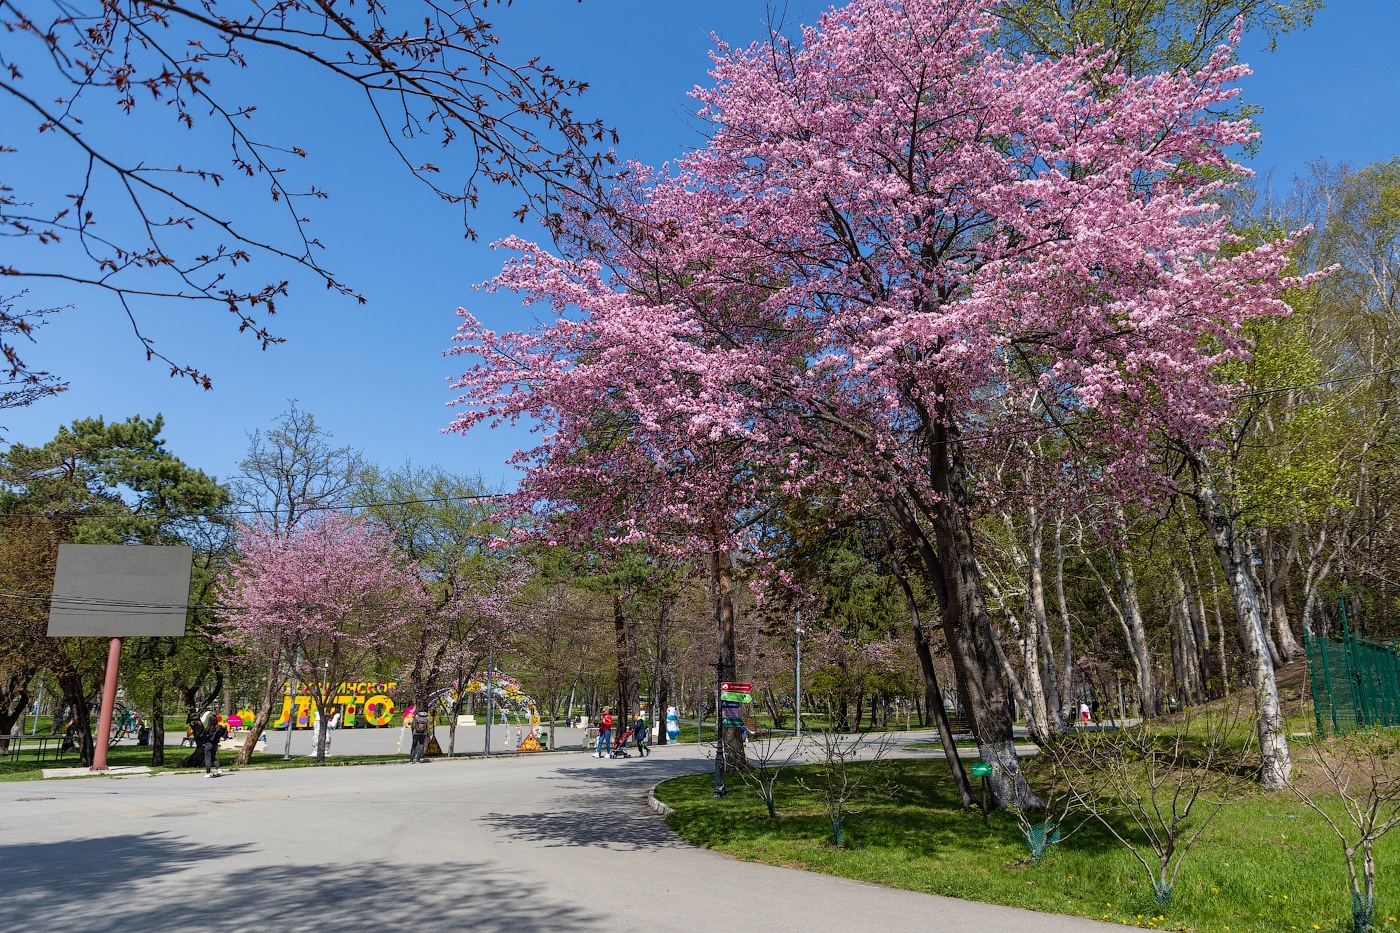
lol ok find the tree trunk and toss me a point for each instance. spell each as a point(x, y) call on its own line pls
point(1230, 549)
point(1317, 570)
point(933, 706)
point(1050, 676)
point(456, 709)
point(1277, 570)
point(1049, 670)
point(662, 696)
point(950, 567)
point(71, 683)
point(158, 727)
point(1067, 672)
point(272, 692)
point(226, 684)
point(1038, 711)
point(1261, 598)
point(13, 710)
point(623, 655)
point(1123, 600)
point(634, 671)
point(1137, 636)
point(1202, 625)
point(1189, 673)
point(722, 594)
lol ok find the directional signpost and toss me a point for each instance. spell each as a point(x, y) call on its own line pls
point(731, 697)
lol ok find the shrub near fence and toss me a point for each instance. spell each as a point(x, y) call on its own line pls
point(1355, 682)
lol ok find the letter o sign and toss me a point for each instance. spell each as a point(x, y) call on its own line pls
point(379, 710)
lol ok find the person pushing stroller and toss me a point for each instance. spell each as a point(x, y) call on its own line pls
point(639, 735)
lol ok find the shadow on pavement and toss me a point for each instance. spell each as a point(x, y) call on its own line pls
point(103, 885)
point(632, 774)
point(583, 821)
point(618, 820)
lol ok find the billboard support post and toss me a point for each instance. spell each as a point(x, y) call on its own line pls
point(109, 700)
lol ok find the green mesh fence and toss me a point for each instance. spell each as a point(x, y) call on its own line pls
point(1355, 682)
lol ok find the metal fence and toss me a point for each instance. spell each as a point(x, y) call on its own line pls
point(1355, 682)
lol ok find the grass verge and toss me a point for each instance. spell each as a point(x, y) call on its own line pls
point(1265, 864)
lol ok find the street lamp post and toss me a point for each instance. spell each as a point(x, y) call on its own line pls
point(291, 704)
point(797, 700)
point(37, 707)
point(490, 693)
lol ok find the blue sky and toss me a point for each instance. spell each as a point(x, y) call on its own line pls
point(374, 374)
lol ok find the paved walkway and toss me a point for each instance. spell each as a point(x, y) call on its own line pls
point(550, 843)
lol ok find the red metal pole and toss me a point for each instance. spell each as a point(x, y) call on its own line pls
point(109, 700)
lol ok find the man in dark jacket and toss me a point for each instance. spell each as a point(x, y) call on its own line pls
point(422, 725)
point(214, 733)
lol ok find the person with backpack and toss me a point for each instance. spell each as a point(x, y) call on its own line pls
point(213, 734)
point(422, 724)
point(639, 735)
point(605, 724)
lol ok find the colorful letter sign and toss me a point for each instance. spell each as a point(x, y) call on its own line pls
point(369, 699)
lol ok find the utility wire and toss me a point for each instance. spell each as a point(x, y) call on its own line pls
point(130, 516)
point(989, 435)
point(101, 604)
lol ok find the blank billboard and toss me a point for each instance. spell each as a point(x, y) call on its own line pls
point(114, 590)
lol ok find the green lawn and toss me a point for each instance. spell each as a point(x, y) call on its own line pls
point(1265, 864)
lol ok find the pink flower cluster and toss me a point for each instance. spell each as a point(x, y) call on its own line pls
point(337, 579)
point(895, 234)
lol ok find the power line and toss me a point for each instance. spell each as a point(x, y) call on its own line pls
point(101, 604)
point(1322, 382)
point(131, 516)
point(468, 497)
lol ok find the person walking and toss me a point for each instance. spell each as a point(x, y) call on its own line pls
point(422, 724)
point(605, 724)
point(214, 733)
point(639, 735)
point(1084, 713)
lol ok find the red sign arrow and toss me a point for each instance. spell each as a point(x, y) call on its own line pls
point(737, 688)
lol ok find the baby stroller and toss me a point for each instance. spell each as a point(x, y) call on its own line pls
point(619, 747)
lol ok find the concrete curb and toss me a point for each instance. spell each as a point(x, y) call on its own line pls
point(61, 774)
point(144, 771)
point(657, 805)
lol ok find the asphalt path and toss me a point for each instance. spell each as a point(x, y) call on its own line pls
point(559, 842)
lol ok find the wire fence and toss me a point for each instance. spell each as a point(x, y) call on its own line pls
point(1355, 682)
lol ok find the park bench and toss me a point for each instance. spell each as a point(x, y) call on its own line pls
point(41, 746)
point(959, 725)
point(751, 726)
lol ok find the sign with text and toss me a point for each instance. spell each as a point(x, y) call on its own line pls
point(368, 701)
point(732, 696)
